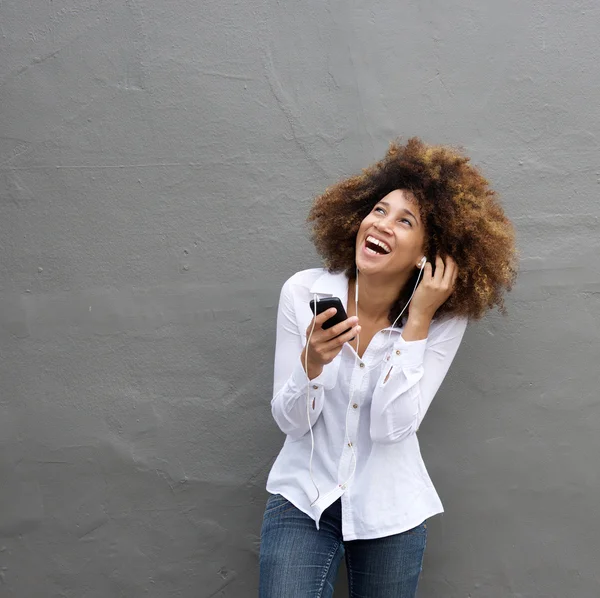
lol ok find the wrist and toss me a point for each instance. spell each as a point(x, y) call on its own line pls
point(312, 370)
point(417, 326)
point(420, 316)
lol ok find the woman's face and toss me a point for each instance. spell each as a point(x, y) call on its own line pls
point(390, 239)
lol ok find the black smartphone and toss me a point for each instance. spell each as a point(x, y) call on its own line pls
point(327, 303)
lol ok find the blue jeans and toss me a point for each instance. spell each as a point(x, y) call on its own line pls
point(299, 561)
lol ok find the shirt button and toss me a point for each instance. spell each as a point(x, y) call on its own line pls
point(397, 351)
point(349, 444)
point(343, 486)
point(355, 406)
point(362, 365)
point(315, 387)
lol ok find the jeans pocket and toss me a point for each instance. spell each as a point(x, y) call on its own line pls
point(277, 504)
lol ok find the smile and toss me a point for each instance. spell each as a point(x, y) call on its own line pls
point(374, 246)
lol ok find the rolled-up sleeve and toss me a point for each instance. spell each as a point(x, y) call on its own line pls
point(296, 399)
point(411, 379)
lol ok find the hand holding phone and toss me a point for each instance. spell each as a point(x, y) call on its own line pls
point(326, 334)
point(323, 305)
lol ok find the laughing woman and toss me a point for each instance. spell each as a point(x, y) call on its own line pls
point(414, 247)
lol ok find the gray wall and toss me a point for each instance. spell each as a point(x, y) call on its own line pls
point(157, 161)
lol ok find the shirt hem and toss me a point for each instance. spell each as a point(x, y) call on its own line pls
point(390, 532)
point(286, 496)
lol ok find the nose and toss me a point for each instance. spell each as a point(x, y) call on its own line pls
point(382, 225)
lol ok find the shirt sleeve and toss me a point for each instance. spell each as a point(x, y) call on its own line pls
point(410, 380)
point(296, 399)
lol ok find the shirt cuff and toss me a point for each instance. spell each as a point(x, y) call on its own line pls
point(408, 353)
point(326, 379)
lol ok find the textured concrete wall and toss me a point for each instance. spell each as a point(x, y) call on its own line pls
point(157, 160)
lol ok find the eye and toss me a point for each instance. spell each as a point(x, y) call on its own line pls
point(379, 209)
point(407, 221)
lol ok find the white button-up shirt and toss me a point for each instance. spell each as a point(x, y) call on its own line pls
point(364, 415)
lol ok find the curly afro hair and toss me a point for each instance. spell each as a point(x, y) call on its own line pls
point(462, 218)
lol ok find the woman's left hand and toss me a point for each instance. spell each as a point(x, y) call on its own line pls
point(434, 289)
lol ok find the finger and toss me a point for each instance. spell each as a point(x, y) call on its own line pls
point(348, 336)
point(319, 320)
point(439, 269)
point(450, 261)
point(428, 271)
point(341, 327)
point(454, 275)
point(449, 271)
point(335, 343)
point(322, 318)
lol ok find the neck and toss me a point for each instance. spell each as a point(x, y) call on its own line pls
point(376, 295)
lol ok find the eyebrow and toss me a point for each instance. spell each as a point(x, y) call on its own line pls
point(405, 210)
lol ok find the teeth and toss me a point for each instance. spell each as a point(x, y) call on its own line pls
point(381, 244)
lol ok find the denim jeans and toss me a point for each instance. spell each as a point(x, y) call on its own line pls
point(299, 561)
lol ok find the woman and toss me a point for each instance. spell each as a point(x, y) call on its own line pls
point(413, 247)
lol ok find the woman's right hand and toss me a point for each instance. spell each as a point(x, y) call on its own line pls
point(322, 346)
